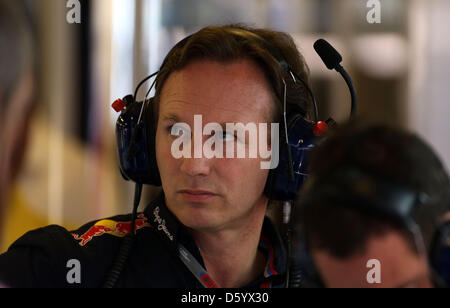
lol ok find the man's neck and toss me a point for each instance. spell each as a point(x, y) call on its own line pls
point(231, 256)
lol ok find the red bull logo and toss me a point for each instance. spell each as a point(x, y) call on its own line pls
point(116, 228)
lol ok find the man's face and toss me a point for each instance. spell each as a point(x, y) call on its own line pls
point(213, 193)
point(398, 267)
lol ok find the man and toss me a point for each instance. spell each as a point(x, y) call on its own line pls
point(16, 92)
point(373, 211)
point(208, 227)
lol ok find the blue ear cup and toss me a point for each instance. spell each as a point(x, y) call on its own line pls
point(136, 142)
point(301, 138)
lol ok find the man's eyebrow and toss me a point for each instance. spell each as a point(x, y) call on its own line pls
point(171, 117)
point(174, 117)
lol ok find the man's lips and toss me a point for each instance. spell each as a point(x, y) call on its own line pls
point(197, 195)
point(196, 192)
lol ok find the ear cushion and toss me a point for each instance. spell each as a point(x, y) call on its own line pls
point(278, 185)
point(136, 144)
point(275, 173)
point(150, 131)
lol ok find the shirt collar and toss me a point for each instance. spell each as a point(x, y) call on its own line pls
point(270, 242)
point(168, 227)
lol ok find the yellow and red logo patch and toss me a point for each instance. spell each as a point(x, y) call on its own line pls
point(116, 228)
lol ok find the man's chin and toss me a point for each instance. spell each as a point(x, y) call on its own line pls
point(197, 218)
point(196, 215)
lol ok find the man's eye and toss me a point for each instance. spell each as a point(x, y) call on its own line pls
point(226, 137)
point(178, 129)
point(169, 129)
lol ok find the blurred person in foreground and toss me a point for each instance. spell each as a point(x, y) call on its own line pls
point(374, 212)
point(16, 92)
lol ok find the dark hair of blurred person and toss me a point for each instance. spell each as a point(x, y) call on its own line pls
point(342, 232)
point(16, 90)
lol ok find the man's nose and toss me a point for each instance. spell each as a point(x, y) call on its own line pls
point(196, 166)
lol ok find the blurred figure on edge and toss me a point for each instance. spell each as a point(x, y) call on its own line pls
point(16, 91)
point(375, 212)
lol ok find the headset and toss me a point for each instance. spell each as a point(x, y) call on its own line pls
point(353, 188)
point(136, 131)
point(136, 136)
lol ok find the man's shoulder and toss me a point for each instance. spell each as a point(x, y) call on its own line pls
point(110, 229)
point(51, 249)
point(114, 227)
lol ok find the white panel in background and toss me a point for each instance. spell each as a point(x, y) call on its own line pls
point(429, 92)
point(122, 51)
point(151, 30)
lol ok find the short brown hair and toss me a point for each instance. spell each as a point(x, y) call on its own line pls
point(220, 43)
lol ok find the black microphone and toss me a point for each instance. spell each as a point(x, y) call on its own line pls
point(332, 60)
point(328, 54)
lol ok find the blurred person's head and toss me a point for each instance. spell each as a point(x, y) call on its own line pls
point(226, 75)
point(374, 193)
point(16, 89)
